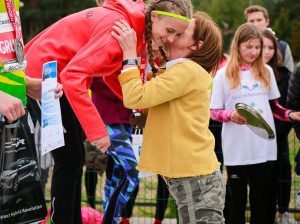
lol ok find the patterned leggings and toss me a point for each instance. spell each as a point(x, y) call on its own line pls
point(121, 175)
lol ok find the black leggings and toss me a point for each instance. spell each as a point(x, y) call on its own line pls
point(162, 196)
point(261, 179)
point(91, 178)
point(67, 172)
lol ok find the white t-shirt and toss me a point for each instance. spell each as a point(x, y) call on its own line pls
point(240, 145)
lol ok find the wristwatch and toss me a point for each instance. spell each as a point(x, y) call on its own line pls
point(129, 62)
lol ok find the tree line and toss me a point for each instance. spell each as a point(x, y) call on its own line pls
point(36, 15)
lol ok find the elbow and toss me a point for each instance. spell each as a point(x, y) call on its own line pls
point(129, 104)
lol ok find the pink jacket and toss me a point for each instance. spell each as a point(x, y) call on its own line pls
point(84, 48)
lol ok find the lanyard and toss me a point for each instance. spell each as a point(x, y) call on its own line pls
point(18, 45)
point(12, 14)
point(144, 64)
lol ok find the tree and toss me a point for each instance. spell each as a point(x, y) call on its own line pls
point(36, 15)
point(228, 14)
point(283, 26)
point(295, 41)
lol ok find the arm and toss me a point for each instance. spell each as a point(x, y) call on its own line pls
point(278, 111)
point(163, 88)
point(220, 115)
point(101, 56)
point(282, 113)
point(227, 115)
point(34, 87)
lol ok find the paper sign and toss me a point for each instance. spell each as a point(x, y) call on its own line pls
point(52, 136)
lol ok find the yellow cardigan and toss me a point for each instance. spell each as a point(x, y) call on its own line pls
point(177, 142)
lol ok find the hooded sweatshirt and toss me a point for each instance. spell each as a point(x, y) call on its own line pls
point(84, 48)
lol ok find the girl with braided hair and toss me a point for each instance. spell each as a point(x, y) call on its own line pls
point(177, 143)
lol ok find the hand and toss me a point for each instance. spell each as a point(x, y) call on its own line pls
point(295, 116)
point(102, 143)
point(237, 118)
point(58, 90)
point(126, 39)
point(11, 107)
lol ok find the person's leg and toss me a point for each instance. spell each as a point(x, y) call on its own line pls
point(122, 153)
point(44, 178)
point(90, 185)
point(162, 196)
point(284, 176)
point(67, 172)
point(113, 176)
point(216, 129)
point(262, 195)
point(237, 186)
point(128, 209)
point(199, 199)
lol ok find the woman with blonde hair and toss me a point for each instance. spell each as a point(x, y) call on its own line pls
point(249, 159)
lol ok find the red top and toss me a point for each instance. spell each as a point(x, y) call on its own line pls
point(84, 48)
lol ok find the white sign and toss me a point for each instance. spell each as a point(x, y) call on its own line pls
point(52, 136)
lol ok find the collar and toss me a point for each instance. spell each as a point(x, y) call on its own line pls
point(170, 63)
point(245, 67)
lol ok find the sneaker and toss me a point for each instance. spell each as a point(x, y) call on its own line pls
point(286, 219)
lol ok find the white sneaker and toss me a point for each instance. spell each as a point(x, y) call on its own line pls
point(286, 219)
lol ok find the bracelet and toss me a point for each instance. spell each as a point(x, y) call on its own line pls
point(129, 62)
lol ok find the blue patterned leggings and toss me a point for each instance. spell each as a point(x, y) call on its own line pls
point(121, 175)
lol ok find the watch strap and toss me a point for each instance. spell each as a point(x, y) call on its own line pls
point(129, 62)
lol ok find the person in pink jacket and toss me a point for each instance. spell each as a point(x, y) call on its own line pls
point(84, 48)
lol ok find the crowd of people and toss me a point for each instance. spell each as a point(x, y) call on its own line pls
point(161, 59)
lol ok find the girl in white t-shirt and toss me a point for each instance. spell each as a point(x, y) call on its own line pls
point(249, 158)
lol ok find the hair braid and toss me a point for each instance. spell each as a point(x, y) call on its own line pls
point(149, 48)
point(163, 53)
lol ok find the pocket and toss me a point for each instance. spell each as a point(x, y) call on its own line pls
point(176, 188)
point(212, 191)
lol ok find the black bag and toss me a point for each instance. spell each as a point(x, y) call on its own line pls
point(21, 196)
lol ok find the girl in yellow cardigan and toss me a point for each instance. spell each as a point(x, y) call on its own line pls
point(177, 142)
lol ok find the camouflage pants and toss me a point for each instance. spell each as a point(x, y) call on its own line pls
point(199, 199)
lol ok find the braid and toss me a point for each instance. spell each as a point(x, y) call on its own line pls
point(149, 47)
point(163, 53)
